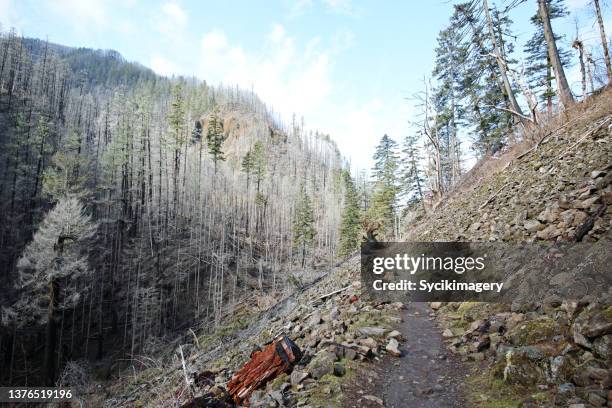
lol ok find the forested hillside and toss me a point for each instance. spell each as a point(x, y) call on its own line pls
point(166, 242)
point(135, 205)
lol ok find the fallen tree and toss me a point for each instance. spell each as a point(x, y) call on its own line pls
point(276, 358)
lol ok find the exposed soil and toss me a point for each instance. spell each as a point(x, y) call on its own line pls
point(426, 375)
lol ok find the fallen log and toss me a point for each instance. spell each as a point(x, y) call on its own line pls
point(265, 365)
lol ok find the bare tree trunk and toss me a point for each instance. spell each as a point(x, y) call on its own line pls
point(565, 93)
point(50, 336)
point(502, 67)
point(579, 46)
point(604, 41)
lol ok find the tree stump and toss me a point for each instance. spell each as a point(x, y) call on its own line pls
point(265, 365)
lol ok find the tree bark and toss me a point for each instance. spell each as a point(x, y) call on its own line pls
point(565, 93)
point(50, 336)
point(604, 41)
point(502, 68)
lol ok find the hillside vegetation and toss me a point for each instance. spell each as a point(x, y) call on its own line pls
point(197, 196)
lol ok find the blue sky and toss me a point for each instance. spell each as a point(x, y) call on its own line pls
point(347, 66)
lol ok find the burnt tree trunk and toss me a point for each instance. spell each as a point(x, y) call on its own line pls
point(265, 365)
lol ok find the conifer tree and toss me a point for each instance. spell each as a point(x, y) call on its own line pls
point(384, 196)
point(53, 271)
point(67, 174)
point(214, 137)
point(259, 162)
point(565, 93)
point(303, 223)
point(539, 71)
point(176, 120)
point(350, 226)
point(411, 178)
point(480, 82)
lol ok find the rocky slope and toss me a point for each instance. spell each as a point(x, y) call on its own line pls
point(555, 352)
point(338, 331)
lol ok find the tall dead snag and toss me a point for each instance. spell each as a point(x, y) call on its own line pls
point(604, 41)
point(580, 47)
point(565, 93)
point(276, 358)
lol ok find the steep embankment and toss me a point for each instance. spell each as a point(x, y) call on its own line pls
point(555, 352)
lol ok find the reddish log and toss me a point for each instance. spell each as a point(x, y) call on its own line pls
point(265, 365)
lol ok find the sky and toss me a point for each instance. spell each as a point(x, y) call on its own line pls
point(349, 68)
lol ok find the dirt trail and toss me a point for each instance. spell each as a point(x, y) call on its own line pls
point(426, 375)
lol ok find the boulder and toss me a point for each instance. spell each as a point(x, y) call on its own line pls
point(533, 332)
point(298, 376)
point(533, 225)
point(524, 366)
point(393, 348)
point(372, 331)
point(599, 324)
point(321, 364)
point(602, 348)
point(394, 334)
point(369, 342)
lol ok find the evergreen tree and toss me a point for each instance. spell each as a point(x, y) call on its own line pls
point(53, 272)
point(68, 172)
point(539, 71)
point(214, 137)
point(259, 162)
point(479, 78)
point(303, 223)
point(196, 133)
point(384, 196)
point(350, 226)
point(411, 178)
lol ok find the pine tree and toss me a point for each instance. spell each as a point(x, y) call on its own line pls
point(53, 271)
point(480, 82)
point(214, 137)
point(303, 223)
point(539, 71)
point(68, 172)
point(350, 226)
point(384, 196)
point(196, 133)
point(411, 178)
point(176, 119)
point(259, 163)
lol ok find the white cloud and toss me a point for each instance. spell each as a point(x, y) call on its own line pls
point(171, 21)
point(83, 13)
point(290, 78)
point(341, 6)
point(8, 15)
point(175, 13)
point(298, 79)
point(163, 66)
point(298, 7)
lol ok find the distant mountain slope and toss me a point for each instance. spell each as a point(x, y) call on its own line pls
point(196, 192)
